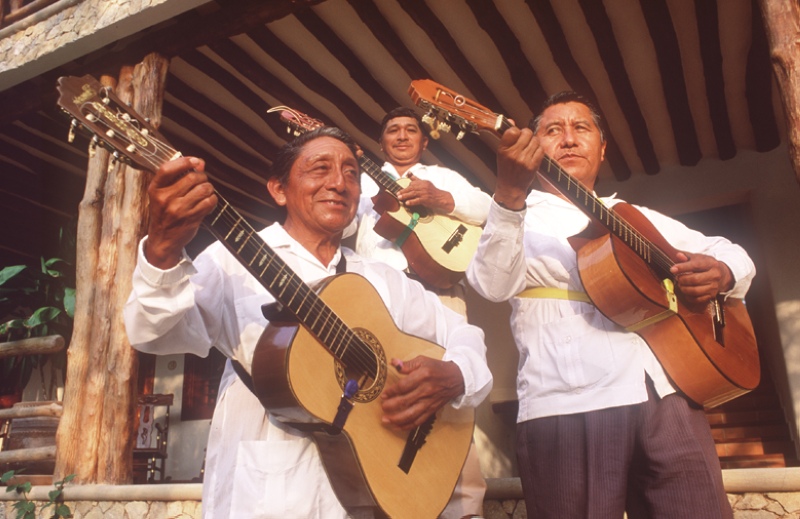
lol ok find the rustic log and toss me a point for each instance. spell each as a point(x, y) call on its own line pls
point(782, 23)
point(32, 346)
point(52, 409)
point(96, 436)
point(27, 455)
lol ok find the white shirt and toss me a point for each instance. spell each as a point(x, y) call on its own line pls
point(257, 467)
point(471, 206)
point(572, 358)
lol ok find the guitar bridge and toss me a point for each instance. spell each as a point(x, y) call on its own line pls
point(415, 440)
point(455, 238)
point(718, 320)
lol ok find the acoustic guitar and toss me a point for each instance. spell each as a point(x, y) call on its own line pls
point(438, 247)
point(321, 364)
point(710, 351)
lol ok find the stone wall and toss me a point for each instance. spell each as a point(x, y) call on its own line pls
point(68, 29)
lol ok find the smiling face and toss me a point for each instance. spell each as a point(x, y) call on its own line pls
point(403, 142)
point(569, 135)
point(321, 192)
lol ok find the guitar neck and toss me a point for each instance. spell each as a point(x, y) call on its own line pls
point(383, 179)
point(587, 202)
point(239, 237)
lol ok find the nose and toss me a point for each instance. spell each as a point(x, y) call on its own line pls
point(568, 137)
point(337, 179)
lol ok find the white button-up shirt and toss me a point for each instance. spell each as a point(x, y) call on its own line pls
point(255, 465)
point(572, 358)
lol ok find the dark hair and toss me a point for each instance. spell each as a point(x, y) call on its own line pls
point(289, 152)
point(402, 111)
point(568, 96)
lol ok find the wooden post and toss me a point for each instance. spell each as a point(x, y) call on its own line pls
point(96, 435)
point(782, 24)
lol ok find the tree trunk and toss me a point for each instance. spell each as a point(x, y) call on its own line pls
point(96, 435)
point(782, 24)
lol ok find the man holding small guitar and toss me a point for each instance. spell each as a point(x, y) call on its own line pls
point(601, 428)
point(257, 465)
point(404, 138)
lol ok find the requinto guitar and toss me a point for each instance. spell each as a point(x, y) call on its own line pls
point(314, 346)
point(438, 247)
point(709, 352)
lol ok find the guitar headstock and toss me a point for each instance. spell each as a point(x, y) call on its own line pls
point(297, 123)
point(114, 124)
point(445, 108)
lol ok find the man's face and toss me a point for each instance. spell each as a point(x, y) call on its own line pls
point(403, 142)
point(569, 135)
point(322, 192)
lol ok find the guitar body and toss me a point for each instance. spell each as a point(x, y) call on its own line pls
point(438, 248)
point(709, 365)
point(298, 381)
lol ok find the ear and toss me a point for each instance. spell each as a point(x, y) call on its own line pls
point(275, 188)
point(424, 144)
point(603, 152)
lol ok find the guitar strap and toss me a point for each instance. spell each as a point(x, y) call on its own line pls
point(242, 373)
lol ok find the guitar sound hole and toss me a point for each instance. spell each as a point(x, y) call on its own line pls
point(371, 374)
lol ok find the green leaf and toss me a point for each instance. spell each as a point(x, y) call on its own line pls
point(5, 477)
point(63, 511)
point(9, 272)
point(26, 487)
point(69, 301)
point(53, 495)
point(42, 316)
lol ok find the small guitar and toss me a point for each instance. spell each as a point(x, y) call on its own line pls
point(438, 247)
point(315, 348)
point(710, 353)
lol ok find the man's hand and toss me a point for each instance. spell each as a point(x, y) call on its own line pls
point(518, 158)
point(700, 278)
point(424, 193)
point(180, 197)
point(428, 385)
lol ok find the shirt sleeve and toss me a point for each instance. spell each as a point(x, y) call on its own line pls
point(497, 271)
point(164, 313)
point(683, 238)
point(471, 203)
point(419, 312)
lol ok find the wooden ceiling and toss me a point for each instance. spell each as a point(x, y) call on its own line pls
point(678, 81)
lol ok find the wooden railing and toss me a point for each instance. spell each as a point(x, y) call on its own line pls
point(15, 10)
point(34, 346)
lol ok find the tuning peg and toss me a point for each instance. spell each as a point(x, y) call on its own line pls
point(460, 135)
point(429, 119)
point(72, 125)
point(115, 157)
point(93, 146)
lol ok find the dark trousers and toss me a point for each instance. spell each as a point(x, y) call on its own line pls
point(655, 460)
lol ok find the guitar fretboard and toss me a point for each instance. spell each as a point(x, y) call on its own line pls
point(288, 289)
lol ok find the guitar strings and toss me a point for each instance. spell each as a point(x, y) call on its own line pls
point(364, 359)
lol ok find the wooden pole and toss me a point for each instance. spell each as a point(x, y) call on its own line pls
point(782, 24)
point(96, 435)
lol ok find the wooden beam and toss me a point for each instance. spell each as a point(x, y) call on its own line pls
point(782, 22)
point(32, 346)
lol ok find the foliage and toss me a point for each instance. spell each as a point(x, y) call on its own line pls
point(34, 302)
point(26, 509)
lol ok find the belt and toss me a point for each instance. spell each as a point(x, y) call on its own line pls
point(554, 293)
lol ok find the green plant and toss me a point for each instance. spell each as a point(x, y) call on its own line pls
point(26, 509)
point(34, 301)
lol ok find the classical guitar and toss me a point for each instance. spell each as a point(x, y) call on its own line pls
point(321, 364)
point(438, 247)
point(709, 352)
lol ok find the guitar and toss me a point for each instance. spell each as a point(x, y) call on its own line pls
point(315, 348)
point(438, 247)
point(709, 352)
